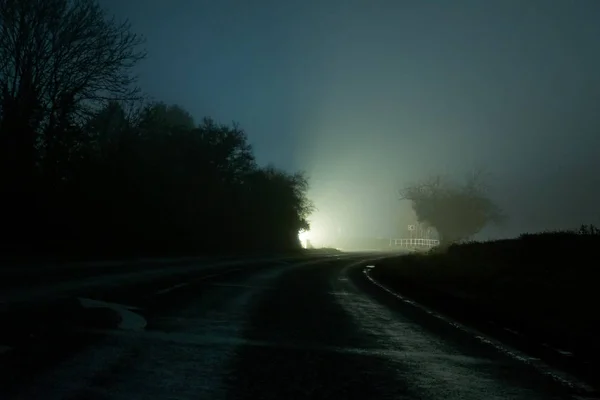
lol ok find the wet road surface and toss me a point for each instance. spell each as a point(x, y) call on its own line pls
point(310, 330)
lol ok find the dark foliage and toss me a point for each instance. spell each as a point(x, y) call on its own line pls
point(86, 174)
point(456, 211)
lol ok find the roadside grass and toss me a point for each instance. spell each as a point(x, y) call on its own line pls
point(542, 285)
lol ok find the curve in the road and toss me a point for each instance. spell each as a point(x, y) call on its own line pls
point(306, 330)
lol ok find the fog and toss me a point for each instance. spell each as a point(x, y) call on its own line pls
point(369, 96)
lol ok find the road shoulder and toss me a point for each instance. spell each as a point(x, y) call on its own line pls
point(449, 313)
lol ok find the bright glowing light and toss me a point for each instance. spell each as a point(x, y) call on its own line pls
point(304, 237)
point(321, 233)
point(311, 238)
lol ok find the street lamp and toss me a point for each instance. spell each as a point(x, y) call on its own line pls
point(411, 229)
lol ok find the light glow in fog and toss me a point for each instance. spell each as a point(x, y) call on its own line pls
point(304, 237)
point(321, 233)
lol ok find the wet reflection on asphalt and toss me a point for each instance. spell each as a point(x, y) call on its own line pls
point(287, 332)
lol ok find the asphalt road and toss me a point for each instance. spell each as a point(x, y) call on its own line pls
point(304, 330)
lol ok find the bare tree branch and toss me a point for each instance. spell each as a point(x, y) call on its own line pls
point(67, 54)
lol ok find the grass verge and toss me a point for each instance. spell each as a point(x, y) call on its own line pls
point(543, 286)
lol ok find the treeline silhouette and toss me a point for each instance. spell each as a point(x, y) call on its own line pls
point(88, 170)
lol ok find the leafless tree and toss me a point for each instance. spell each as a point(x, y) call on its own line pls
point(59, 60)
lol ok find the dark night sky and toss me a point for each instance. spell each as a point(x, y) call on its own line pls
point(367, 95)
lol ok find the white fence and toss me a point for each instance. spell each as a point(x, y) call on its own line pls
point(414, 243)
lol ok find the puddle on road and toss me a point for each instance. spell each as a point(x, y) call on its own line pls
point(188, 360)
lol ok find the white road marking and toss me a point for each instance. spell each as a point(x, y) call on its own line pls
point(564, 352)
point(91, 303)
point(240, 286)
point(512, 331)
point(114, 280)
point(219, 274)
point(171, 288)
point(180, 285)
point(559, 376)
point(192, 339)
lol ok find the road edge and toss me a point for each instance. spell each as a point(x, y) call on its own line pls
point(575, 385)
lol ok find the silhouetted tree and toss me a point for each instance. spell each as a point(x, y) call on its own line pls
point(84, 169)
point(280, 206)
point(178, 185)
point(161, 115)
point(59, 61)
point(456, 211)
